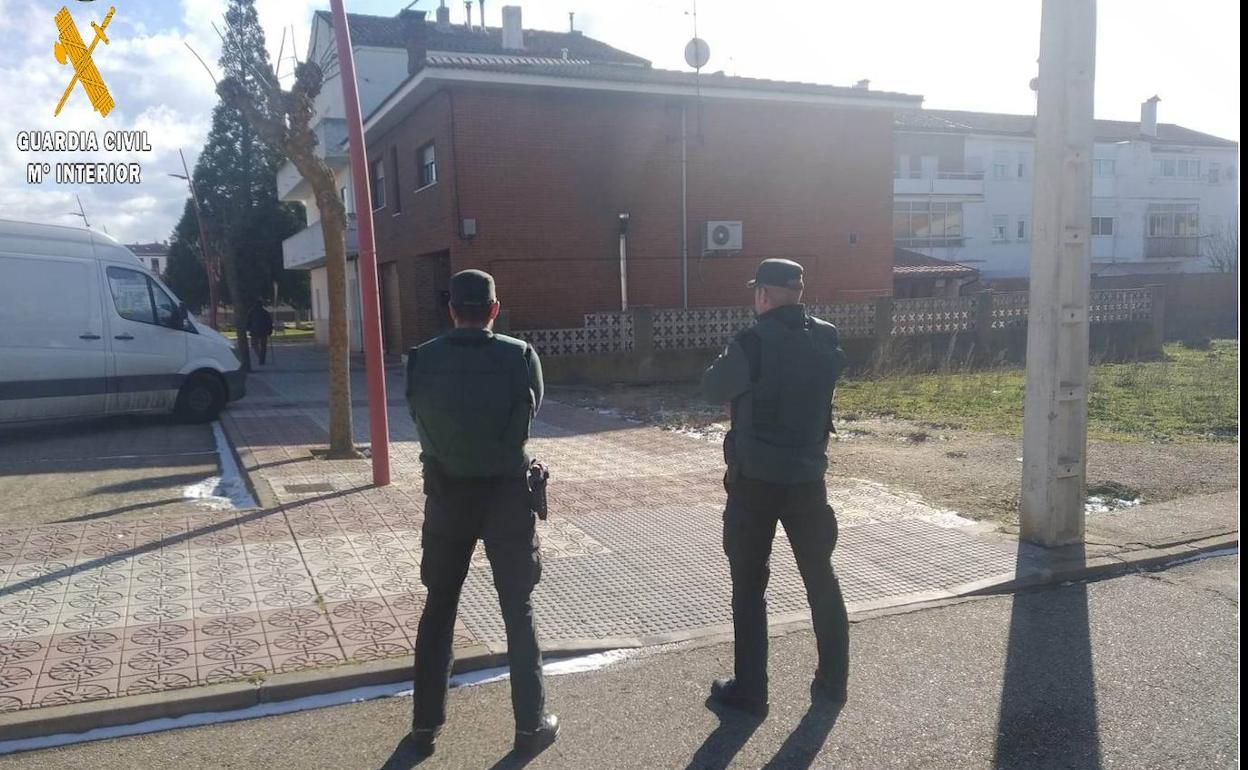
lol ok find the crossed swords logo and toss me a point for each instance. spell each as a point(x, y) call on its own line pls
point(70, 48)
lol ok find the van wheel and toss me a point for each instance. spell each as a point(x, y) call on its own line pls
point(201, 399)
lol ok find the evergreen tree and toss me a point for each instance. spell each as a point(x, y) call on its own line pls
point(236, 177)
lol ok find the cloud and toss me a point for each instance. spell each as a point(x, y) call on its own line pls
point(158, 85)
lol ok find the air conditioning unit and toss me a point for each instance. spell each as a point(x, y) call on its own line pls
point(722, 235)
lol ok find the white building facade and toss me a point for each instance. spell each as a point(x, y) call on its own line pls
point(1165, 198)
point(379, 70)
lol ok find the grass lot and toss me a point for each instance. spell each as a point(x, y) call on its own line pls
point(1191, 395)
point(289, 334)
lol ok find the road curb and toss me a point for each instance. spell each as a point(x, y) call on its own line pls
point(1107, 565)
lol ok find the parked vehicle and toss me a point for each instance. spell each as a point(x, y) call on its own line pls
point(86, 331)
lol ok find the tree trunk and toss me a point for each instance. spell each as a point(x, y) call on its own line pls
point(241, 306)
point(333, 231)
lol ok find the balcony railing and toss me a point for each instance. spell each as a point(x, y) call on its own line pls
point(960, 183)
point(306, 249)
point(931, 242)
point(1171, 247)
point(939, 175)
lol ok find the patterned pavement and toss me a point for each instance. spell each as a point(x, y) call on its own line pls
point(328, 572)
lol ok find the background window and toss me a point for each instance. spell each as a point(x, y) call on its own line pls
point(923, 224)
point(1021, 231)
point(1000, 165)
point(1022, 165)
point(1102, 167)
point(377, 185)
point(1000, 224)
point(1102, 225)
point(1215, 172)
point(428, 166)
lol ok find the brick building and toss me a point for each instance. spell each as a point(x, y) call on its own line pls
point(522, 153)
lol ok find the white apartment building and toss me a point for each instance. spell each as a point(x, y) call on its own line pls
point(1162, 194)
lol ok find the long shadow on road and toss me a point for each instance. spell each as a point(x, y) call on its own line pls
point(1048, 694)
point(728, 738)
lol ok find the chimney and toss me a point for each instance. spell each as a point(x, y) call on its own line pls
point(468, 15)
point(414, 37)
point(863, 84)
point(1148, 117)
point(482, 4)
point(444, 16)
point(513, 32)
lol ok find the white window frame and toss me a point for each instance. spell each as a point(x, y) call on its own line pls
point(1000, 228)
point(1101, 221)
point(1099, 165)
point(377, 183)
point(421, 165)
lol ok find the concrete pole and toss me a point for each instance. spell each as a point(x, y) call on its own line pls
point(1055, 416)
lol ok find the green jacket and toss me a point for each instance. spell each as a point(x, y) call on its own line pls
point(778, 378)
point(472, 394)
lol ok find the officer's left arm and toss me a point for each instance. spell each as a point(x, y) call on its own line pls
point(536, 385)
point(728, 377)
point(410, 386)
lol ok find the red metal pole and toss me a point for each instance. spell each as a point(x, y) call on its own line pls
point(378, 425)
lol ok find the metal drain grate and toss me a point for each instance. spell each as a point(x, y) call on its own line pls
point(302, 489)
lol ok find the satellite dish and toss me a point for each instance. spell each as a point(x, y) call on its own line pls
point(1034, 84)
point(697, 53)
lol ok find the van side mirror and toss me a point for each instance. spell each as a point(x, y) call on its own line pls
point(181, 318)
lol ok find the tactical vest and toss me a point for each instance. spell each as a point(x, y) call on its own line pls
point(472, 403)
point(780, 427)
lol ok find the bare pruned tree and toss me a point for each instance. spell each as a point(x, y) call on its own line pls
point(283, 119)
point(1221, 249)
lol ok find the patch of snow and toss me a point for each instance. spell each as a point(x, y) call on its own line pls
point(224, 492)
point(1096, 504)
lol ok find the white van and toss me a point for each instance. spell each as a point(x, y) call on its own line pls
point(86, 331)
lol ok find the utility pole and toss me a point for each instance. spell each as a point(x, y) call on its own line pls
point(210, 269)
point(1055, 414)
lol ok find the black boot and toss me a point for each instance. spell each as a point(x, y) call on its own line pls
point(421, 740)
point(823, 687)
point(728, 693)
point(535, 741)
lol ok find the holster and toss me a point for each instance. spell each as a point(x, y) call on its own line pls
point(537, 478)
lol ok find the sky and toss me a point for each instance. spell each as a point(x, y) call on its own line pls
point(957, 54)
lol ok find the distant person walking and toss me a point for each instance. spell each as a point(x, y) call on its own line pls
point(259, 328)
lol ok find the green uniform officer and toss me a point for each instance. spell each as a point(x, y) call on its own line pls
point(777, 378)
point(473, 394)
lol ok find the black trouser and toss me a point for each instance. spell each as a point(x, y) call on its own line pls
point(750, 519)
point(462, 512)
point(260, 344)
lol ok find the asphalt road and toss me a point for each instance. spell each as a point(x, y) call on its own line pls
point(1138, 671)
point(116, 469)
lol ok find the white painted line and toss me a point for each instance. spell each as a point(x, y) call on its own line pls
point(229, 490)
point(357, 695)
